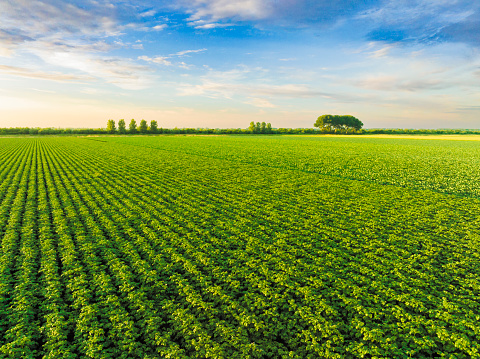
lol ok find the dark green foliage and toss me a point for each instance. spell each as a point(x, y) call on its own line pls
point(132, 127)
point(263, 127)
point(111, 126)
point(269, 128)
point(251, 128)
point(143, 128)
point(327, 122)
point(121, 126)
point(153, 127)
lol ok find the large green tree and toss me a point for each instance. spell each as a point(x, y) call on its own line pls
point(263, 127)
point(132, 127)
point(251, 128)
point(153, 126)
point(143, 128)
point(346, 122)
point(121, 126)
point(111, 126)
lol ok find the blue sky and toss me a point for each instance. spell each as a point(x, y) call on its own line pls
point(224, 63)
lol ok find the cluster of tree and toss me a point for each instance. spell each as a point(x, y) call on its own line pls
point(260, 127)
point(132, 127)
point(337, 122)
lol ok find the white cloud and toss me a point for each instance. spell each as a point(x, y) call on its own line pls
point(214, 10)
point(142, 27)
point(157, 60)
point(148, 13)
point(382, 52)
point(211, 14)
point(185, 66)
point(120, 72)
point(70, 38)
point(185, 52)
point(166, 60)
point(203, 25)
point(160, 27)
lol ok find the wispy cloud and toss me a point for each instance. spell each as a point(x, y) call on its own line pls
point(468, 109)
point(160, 27)
point(400, 69)
point(396, 83)
point(72, 38)
point(148, 13)
point(123, 73)
point(9, 41)
point(204, 25)
point(157, 60)
point(185, 52)
point(32, 74)
point(208, 14)
point(214, 10)
point(382, 52)
point(426, 21)
point(142, 27)
point(166, 60)
point(246, 82)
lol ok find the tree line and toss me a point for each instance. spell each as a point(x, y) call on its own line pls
point(132, 127)
point(260, 127)
point(325, 124)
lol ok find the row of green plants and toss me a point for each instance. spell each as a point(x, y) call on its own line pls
point(142, 251)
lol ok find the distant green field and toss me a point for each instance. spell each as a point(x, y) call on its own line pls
point(239, 247)
point(441, 166)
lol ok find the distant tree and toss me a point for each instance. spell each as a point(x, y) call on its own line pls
point(153, 126)
point(269, 128)
point(251, 128)
point(263, 127)
point(132, 127)
point(143, 128)
point(121, 126)
point(257, 127)
point(111, 126)
point(327, 122)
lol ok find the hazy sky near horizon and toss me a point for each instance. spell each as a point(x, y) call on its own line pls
point(224, 63)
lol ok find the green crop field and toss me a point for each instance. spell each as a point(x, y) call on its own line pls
point(239, 247)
